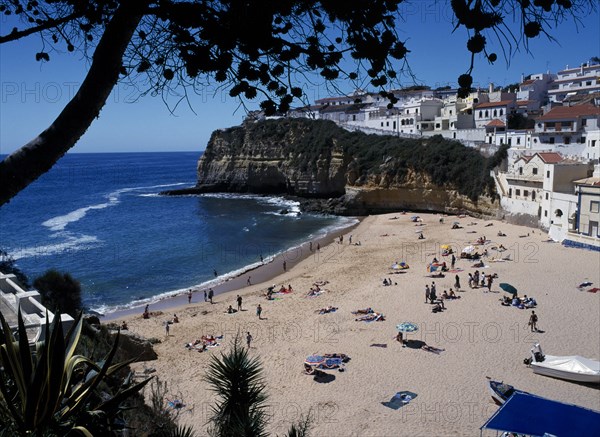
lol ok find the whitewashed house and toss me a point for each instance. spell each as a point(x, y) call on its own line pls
point(567, 124)
point(584, 79)
point(13, 297)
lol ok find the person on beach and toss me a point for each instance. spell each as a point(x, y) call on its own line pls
point(350, 240)
point(175, 318)
point(490, 281)
point(190, 295)
point(259, 312)
point(470, 280)
point(318, 247)
point(146, 314)
point(457, 283)
point(310, 246)
point(239, 302)
point(427, 292)
point(215, 273)
point(261, 259)
point(124, 326)
point(400, 338)
point(248, 339)
point(205, 297)
point(533, 321)
point(211, 293)
point(453, 261)
point(249, 282)
point(284, 266)
point(167, 328)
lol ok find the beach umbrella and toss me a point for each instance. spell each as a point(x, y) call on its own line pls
point(407, 327)
point(432, 267)
point(445, 246)
point(508, 288)
point(314, 360)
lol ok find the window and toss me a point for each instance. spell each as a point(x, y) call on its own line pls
point(510, 192)
point(518, 141)
point(520, 170)
point(495, 113)
point(558, 213)
point(593, 143)
point(394, 126)
point(387, 123)
point(510, 141)
point(534, 170)
point(451, 112)
point(582, 140)
point(437, 125)
point(565, 124)
point(545, 213)
point(583, 122)
point(533, 195)
point(567, 140)
point(594, 206)
point(526, 193)
point(517, 192)
point(501, 112)
point(548, 173)
point(417, 111)
point(480, 114)
point(551, 141)
point(382, 124)
point(486, 114)
point(547, 196)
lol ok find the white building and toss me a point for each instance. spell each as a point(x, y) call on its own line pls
point(484, 113)
point(13, 297)
point(574, 81)
point(567, 124)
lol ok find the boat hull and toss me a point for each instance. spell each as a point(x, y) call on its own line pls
point(569, 376)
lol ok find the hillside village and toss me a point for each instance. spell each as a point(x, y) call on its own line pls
point(551, 122)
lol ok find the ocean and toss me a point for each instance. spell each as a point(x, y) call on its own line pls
point(100, 218)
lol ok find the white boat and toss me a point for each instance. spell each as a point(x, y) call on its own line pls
point(572, 368)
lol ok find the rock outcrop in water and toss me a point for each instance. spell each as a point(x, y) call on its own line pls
point(346, 173)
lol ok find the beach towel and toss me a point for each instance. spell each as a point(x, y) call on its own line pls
point(593, 290)
point(399, 400)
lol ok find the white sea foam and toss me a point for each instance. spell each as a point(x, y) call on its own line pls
point(59, 223)
point(71, 243)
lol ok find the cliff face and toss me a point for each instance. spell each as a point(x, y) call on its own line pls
point(264, 159)
point(316, 160)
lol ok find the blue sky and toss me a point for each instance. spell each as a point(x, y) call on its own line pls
point(32, 94)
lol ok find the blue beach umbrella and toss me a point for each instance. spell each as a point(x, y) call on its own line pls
point(508, 288)
point(407, 327)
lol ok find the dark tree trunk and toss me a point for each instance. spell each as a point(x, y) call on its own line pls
point(38, 156)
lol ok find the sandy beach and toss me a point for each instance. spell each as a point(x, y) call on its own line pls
point(477, 337)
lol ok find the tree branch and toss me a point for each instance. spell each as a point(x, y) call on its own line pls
point(18, 34)
point(35, 158)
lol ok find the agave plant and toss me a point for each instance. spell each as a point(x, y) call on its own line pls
point(52, 391)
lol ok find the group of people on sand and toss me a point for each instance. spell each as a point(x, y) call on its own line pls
point(202, 343)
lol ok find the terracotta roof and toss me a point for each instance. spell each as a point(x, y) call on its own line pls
point(524, 102)
point(495, 123)
point(550, 157)
point(525, 158)
point(588, 181)
point(494, 104)
point(570, 112)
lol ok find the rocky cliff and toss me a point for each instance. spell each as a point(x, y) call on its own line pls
point(346, 173)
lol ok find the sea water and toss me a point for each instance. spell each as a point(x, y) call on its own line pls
point(100, 217)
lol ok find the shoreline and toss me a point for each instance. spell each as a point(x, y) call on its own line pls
point(260, 275)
